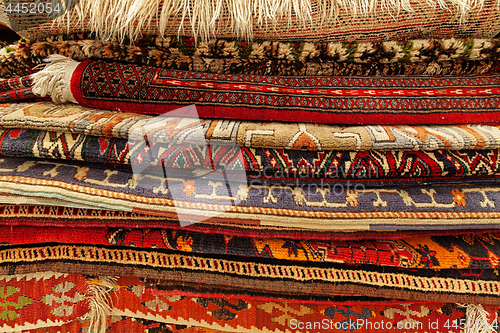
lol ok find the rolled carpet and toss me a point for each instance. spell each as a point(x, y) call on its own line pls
point(334, 100)
point(267, 162)
point(258, 275)
point(281, 58)
point(466, 250)
point(303, 203)
point(48, 216)
point(77, 119)
point(134, 304)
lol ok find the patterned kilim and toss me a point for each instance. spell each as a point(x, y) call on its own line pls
point(463, 251)
point(66, 146)
point(144, 305)
point(71, 118)
point(124, 324)
point(17, 89)
point(17, 95)
point(74, 326)
point(346, 100)
point(44, 216)
point(14, 84)
point(284, 313)
point(313, 203)
point(250, 313)
point(260, 275)
point(415, 57)
point(278, 252)
point(328, 164)
point(269, 162)
point(41, 300)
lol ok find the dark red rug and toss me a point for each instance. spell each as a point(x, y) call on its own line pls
point(319, 99)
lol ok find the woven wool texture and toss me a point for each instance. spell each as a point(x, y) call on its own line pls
point(308, 20)
point(41, 300)
point(262, 275)
point(138, 305)
point(462, 251)
point(71, 118)
point(17, 89)
point(60, 216)
point(413, 57)
point(347, 100)
point(345, 166)
point(317, 204)
point(267, 162)
point(219, 310)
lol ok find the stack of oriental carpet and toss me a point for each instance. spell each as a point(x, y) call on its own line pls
point(254, 166)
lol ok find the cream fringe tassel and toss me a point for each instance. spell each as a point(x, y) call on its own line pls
point(121, 19)
point(100, 303)
point(54, 80)
point(477, 320)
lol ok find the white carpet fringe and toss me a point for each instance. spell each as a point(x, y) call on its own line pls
point(125, 19)
point(477, 320)
point(54, 80)
point(100, 303)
